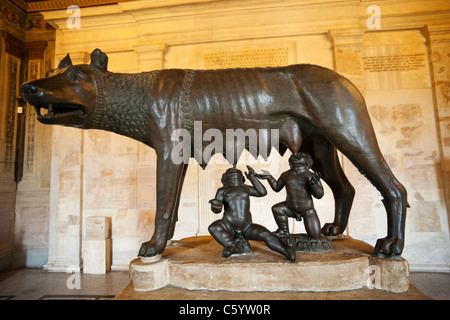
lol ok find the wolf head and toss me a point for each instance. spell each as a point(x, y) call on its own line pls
point(67, 95)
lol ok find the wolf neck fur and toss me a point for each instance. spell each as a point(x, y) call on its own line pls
point(123, 104)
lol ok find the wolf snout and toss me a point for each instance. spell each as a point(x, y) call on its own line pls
point(29, 89)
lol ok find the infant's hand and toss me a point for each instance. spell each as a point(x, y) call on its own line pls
point(251, 172)
point(216, 205)
point(264, 175)
point(315, 178)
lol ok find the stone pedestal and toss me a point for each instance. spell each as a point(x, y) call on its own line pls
point(196, 264)
point(149, 276)
point(97, 246)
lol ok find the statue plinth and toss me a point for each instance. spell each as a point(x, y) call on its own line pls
point(304, 243)
point(196, 264)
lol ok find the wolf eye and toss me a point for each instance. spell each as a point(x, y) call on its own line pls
point(75, 75)
point(49, 72)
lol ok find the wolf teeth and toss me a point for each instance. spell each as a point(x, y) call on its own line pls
point(49, 111)
point(48, 107)
point(48, 114)
point(38, 110)
point(53, 110)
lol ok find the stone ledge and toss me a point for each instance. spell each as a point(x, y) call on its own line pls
point(174, 293)
point(196, 264)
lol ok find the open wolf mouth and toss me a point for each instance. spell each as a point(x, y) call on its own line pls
point(55, 110)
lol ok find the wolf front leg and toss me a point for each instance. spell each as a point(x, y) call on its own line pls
point(175, 215)
point(169, 182)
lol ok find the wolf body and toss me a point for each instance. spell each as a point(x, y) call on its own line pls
point(315, 110)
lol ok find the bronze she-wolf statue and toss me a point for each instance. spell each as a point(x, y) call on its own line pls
point(314, 109)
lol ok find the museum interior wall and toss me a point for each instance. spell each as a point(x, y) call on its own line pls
point(26, 50)
point(54, 178)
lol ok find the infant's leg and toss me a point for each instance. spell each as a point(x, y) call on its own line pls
point(222, 232)
point(260, 233)
point(312, 223)
point(281, 213)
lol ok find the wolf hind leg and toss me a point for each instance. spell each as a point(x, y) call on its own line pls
point(347, 126)
point(365, 154)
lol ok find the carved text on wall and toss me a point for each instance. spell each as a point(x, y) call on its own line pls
point(247, 58)
point(399, 62)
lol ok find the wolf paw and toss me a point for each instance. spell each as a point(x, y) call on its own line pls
point(389, 247)
point(331, 229)
point(151, 248)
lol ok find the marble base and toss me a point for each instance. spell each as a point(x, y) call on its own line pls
point(196, 264)
point(178, 294)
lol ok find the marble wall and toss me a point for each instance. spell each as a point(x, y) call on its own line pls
point(32, 207)
point(25, 51)
point(10, 68)
point(400, 65)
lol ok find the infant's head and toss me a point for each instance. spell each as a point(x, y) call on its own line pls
point(233, 176)
point(300, 159)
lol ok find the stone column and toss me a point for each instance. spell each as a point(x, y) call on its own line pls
point(66, 194)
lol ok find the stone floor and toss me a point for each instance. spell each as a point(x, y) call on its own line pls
point(35, 284)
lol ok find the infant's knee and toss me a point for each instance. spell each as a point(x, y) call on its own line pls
point(312, 224)
point(278, 209)
point(215, 227)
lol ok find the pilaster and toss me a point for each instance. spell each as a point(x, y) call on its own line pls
point(150, 57)
point(205, 215)
point(346, 46)
point(438, 37)
point(66, 200)
point(66, 194)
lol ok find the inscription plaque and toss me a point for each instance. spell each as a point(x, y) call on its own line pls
point(248, 57)
point(401, 62)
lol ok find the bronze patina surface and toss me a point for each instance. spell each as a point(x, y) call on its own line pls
point(314, 109)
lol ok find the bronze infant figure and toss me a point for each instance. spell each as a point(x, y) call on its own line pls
point(236, 223)
point(301, 184)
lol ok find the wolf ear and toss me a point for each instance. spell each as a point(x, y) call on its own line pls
point(65, 62)
point(99, 59)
